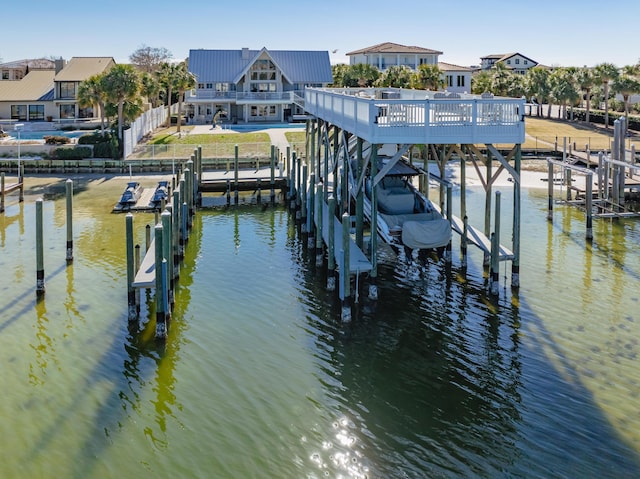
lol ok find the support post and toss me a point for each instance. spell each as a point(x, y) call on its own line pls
point(550, 191)
point(359, 197)
point(131, 294)
point(515, 262)
point(235, 176)
point(161, 317)
point(69, 192)
point(1, 192)
point(273, 169)
point(487, 206)
point(303, 200)
point(463, 244)
point(345, 270)
point(167, 254)
point(373, 237)
point(331, 228)
point(39, 249)
point(495, 249)
point(447, 251)
point(319, 217)
point(311, 206)
point(589, 205)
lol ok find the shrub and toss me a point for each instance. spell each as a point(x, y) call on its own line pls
point(77, 153)
point(105, 144)
point(56, 140)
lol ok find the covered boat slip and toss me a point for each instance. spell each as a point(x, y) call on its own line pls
point(348, 122)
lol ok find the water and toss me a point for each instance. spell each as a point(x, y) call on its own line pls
point(259, 378)
point(39, 135)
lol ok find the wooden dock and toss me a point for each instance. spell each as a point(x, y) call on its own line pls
point(246, 179)
point(10, 188)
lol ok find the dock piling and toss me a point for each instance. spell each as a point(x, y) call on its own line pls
point(131, 269)
point(69, 192)
point(40, 289)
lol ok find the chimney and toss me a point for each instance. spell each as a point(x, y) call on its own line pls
point(245, 53)
point(60, 64)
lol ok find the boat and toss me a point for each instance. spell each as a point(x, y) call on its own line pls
point(130, 196)
point(405, 217)
point(160, 194)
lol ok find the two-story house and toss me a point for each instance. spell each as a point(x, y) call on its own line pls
point(457, 78)
point(384, 55)
point(253, 85)
point(18, 69)
point(516, 62)
point(51, 93)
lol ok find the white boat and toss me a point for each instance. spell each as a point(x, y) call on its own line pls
point(406, 217)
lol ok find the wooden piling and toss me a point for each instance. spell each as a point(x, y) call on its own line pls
point(373, 237)
point(161, 317)
point(2, 192)
point(235, 176)
point(495, 249)
point(447, 251)
point(311, 227)
point(40, 289)
point(331, 263)
point(131, 269)
point(589, 205)
point(137, 268)
point(69, 191)
point(319, 214)
point(345, 272)
point(167, 254)
point(515, 261)
point(292, 183)
point(550, 191)
point(359, 197)
point(303, 200)
point(272, 167)
point(463, 244)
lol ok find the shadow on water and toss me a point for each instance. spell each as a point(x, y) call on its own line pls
point(434, 378)
point(146, 361)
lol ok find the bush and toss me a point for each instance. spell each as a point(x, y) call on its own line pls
point(105, 144)
point(56, 140)
point(77, 153)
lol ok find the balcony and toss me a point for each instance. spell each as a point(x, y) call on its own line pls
point(240, 98)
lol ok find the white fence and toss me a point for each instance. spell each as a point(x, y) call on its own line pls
point(149, 121)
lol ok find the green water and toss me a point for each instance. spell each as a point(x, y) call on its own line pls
point(259, 378)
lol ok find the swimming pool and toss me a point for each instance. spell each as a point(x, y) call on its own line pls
point(39, 135)
point(262, 126)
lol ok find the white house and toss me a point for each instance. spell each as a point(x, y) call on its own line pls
point(384, 55)
point(457, 78)
point(253, 85)
point(514, 61)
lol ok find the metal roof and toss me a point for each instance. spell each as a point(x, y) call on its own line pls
point(226, 66)
point(35, 86)
point(81, 68)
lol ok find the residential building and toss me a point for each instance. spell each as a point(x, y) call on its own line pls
point(384, 55)
point(514, 61)
point(457, 78)
point(50, 94)
point(252, 85)
point(17, 70)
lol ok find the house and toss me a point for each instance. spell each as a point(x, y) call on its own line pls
point(384, 55)
point(457, 78)
point(17, 70)
point(514, 61)
point(253, 85)
point(50, 93)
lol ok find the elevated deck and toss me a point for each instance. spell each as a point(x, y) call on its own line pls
point(419, 117)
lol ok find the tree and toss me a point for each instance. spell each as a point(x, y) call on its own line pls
point(427, 77)
point(149, 59)
point(361, 75)
point(585, 80)
point(122, 84)
point(185, 80)
point(626, 85)
point(339, 72)
point(536, 85)
point(500, 79)
point(396, 76)
point(481, 83)
point(91, 92)
point(563, 89)
point(167, 75)
point(150, 88)
point(605, 73)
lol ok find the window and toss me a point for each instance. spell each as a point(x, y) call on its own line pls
point(36, 112)
point(19, 112)
point(263, 75)
point(67, 111)
point(526, 62)
point(263, 87)
point(5, 74)
point(517, 61)
point(225, 87)
point(85, 112)
point(67, 89)
point(449, 80)
point(263, 111)
point(460, 80)
point(508, 62)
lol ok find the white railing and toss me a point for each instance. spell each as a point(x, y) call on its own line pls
point(240, 96)
point(417, 116)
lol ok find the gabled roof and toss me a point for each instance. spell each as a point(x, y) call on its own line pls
point(32, 64)
point(389, 47)
point(36, 85)
point(450, 67)
point(81, 68)
point(228, 66)
point(505, 56)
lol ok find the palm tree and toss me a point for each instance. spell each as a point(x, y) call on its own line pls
point(91, 92)
point(339, 73)
point(563, 89)
point(361, 75)
point(427, 77)
point(585, 79)
point(605, 73)
point(397, 76)
point(167, 78)
point(122, 84)
point(536, 84)
point(626, 85)
point(150, 88)
point(481, 83)
point(185, 80)
point(500, 79)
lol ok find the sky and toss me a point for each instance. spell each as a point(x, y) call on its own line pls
point(550, 32)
